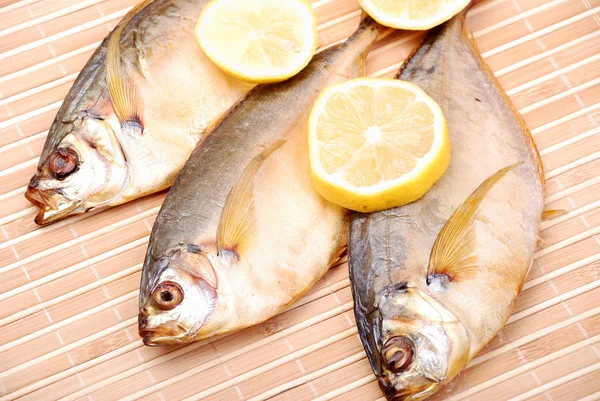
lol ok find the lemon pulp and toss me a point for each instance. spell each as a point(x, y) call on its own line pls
point(376, 144)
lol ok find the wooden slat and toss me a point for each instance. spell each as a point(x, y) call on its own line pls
point(68, 292)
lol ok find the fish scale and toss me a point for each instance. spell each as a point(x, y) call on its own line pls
point(433, 281)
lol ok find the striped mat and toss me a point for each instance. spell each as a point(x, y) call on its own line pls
point(68, 292)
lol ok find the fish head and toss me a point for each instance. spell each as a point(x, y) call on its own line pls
point(82, 167)
point(421, 345)
point(177, 306)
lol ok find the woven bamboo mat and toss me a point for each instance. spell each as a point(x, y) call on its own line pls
point(68, 292)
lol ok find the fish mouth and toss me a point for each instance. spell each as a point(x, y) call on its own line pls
point(53, 206)
point(48, 215)
point(169, 335)
point(407, 394)
point(43, 198)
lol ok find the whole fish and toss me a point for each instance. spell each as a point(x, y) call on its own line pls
point(243, 234)
point(134, 114)
point(433, 281)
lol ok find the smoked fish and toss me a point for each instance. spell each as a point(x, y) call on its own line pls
point(435, 280)
point(242, 233)
point(134, 114)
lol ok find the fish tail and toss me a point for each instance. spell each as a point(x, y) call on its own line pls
point(359, 44)
point(414, 51)
point(367, 23)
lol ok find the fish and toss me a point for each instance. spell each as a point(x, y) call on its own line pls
point(242, 233)
point(134, 114)
point(433, 281)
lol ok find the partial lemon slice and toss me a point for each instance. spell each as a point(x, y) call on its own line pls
point(412, 14)
point(376, 143)
point(258, 40)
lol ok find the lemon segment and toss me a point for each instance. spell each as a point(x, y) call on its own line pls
point(375, 144)
point(259, 41)
point(412, 14)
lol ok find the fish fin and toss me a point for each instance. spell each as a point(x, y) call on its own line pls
point(524, 280)
point(337, 257)
point(123, 94)
point(453, 254)
point(540, 244)
point(520, 120)
point(552, 214)
point(237, 225)
point(422, 40)
point(366, 34)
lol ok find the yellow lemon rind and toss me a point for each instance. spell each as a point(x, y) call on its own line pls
point(254, 76)
point(413, 24)
point(389, 194)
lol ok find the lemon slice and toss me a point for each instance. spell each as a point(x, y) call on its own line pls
point(412, 14)
point(258, 40)
point(376, 143)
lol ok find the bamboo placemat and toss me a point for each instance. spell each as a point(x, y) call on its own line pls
point(68, 292)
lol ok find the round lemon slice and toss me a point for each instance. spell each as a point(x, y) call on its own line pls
point(375, 144)
point(258, 40)
point(412, 14)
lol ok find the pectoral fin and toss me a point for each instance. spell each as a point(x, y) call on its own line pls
point(237, 223)
point(123, 94)
point(453, 254)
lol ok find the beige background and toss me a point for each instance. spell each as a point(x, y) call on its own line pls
point(68, 292)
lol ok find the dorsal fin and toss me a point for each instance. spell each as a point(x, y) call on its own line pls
point(453, 254)
point(237, 224)
point(123, 94)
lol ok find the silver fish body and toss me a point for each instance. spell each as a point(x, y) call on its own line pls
point(434, 281)
point(91, 159)
point(242, 233)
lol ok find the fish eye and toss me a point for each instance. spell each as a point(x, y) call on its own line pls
point(398, 353)
point(63, 162)
point(167, 295)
